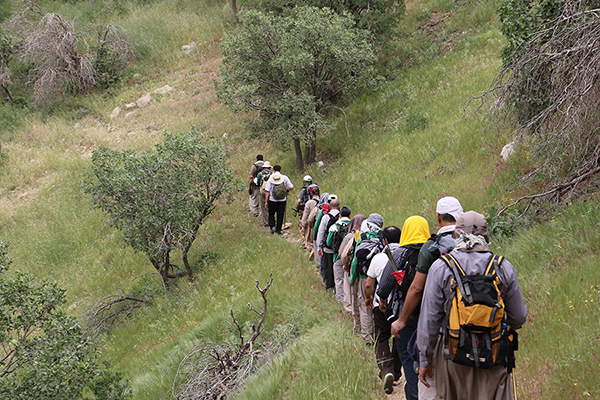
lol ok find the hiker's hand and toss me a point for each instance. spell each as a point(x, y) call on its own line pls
point(425, 372)
point(320, 253)
point(382, 305)
point(267, 205)
point(369, 302)
point(397, 327)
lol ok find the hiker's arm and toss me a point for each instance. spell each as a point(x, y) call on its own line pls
point(267, 194)
point(369, 291)
point(413, 298)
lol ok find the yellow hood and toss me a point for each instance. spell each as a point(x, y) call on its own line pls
point(415, 230)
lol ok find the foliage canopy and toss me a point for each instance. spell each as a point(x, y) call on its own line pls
point(159, 200)
point(291, 69)
point(44, 353)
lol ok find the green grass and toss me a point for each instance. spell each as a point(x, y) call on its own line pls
point(410, 143)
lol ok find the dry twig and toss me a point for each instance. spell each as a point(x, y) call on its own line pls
point(218, 370)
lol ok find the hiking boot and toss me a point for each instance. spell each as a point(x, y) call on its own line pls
point(388, 383)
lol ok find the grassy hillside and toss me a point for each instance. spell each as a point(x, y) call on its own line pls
point(406, 145)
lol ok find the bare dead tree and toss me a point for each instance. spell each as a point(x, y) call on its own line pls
point(110, 311)
point(559, 66)
point(216, 371)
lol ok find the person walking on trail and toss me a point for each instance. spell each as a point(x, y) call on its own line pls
point(276, 194)
point(253, 187)
point(472, 254)
point(263, 178)
point(346, 255)
point(388, 360)
point(336, 234)
point(315, 216)
point(448, 209)
point(370, 229)
point(325, 252)
point(305, 227)
point(415, 233)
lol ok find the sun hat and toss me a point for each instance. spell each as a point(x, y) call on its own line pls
point(259, 163)
point(266, 164)
point(276, 178)
point(331, 198)
point(449, 205)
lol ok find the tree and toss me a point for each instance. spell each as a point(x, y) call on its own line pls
point(159, 200)
point(380, 17)
point(43, 352)
point(292, 69)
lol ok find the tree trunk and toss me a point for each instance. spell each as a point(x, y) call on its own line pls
point(310, 150)
point(299, 161)
point(187, 265)
point(234, 9)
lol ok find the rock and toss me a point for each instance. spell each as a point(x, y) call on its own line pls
point(163, 90)
point(116, 112)
point(225, 135)
point(143, 101)
point(129, 114)
point(137, 75)
point(129, 106)
point(188, 48)
point(152, 127)
point(321, 164)
point(508, 150)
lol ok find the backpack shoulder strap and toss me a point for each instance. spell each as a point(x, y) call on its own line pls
point(458, 273)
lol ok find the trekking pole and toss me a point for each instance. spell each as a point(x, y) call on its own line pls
point(514, 382)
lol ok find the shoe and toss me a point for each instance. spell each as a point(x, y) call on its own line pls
point(388, 383)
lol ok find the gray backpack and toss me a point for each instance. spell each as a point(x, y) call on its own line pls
point(279, 191)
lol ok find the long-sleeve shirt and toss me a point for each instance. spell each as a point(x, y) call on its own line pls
point(322, 232)
point(437, 291)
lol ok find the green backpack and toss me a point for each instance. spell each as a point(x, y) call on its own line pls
point(279, 191)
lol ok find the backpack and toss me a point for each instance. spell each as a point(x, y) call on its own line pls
point(279, 191)
point(405, 260)
point(340, 234)
point(365, 251)
point(332, 220)
point(475, 333)
point(307, 195)
point(265, 174)
point(256, 181)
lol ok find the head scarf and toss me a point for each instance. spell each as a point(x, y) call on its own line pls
point(356, 222)
point(414, 230)
point(471, 232)
point(372, 224)
point(323, 199)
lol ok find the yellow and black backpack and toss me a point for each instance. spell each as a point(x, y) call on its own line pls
point(476, 334)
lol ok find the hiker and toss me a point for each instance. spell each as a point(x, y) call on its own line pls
point(346, 255)
point(253, 187)
point(388, 361)
point(304, 195)
point(472, 254)
point(276, 198)
point(315, 215)
point(325, 252)
point(335, 235)
point(448, 209)
point(415, 232)
point(369, 229)
point(305, 228)
point(263, 178)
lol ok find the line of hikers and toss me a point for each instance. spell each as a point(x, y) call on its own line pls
point(452, 306)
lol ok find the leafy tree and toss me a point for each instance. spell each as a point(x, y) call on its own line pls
point(43, 352)
point(380, 17)
point(292, 69)
point(159, 200)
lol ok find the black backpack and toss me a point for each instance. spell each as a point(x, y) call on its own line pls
point(405, 260)
point(332, 220)
point(339, 236)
